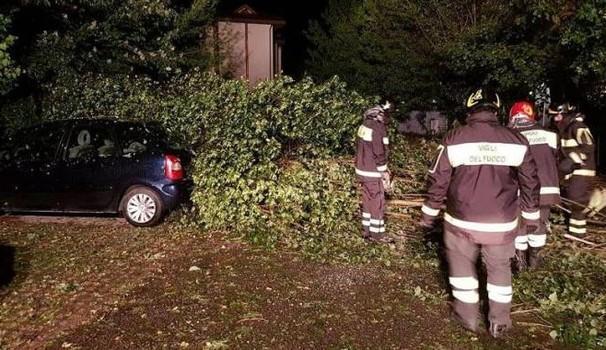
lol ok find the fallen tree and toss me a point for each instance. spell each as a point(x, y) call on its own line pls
point(272, 163)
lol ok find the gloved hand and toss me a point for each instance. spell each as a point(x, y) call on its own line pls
point(567, 166)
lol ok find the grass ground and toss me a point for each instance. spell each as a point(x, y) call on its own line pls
point(101, 284)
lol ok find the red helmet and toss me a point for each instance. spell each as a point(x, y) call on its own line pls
point(522, 110)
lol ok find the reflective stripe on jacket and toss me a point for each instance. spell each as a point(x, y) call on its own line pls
point(479, 170)
point(372, 150)
point(544, 150)
point(577, 145)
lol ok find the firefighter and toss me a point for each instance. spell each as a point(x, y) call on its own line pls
point(577, 163)
point(544, 149)
point(372, 172)
point(479, 169)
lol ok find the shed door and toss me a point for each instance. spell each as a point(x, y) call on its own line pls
point(260, 52)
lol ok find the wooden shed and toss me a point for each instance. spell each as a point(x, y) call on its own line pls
point(251, 45)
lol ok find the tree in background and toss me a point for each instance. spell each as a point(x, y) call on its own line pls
point(153, 37)
point(63, 40)
point(418, 51)
point(369, 44)
point(583, 40)
point(9, 72)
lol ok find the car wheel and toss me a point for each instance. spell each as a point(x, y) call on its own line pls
point(142, 207)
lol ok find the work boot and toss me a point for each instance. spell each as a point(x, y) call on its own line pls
point(497, 330)
point(534, 258)
point(521, 260)
point(471, 327)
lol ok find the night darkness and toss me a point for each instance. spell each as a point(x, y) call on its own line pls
point(297, 15)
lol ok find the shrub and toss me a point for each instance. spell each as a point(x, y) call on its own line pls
point(570, 292)
point(9, 72)
point(314, 207)
point(410, 157)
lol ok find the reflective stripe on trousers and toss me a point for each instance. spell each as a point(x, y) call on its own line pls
point(578, 189)
point(535, 239)
point(373, 207)
point(462, 255)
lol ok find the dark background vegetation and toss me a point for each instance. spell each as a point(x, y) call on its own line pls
point(418, 51)
point(413, 52)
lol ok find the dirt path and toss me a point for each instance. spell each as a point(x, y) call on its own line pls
point(108, 286)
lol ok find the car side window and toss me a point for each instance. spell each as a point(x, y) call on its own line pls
point(36, 144)
point(91, 142)
point(136, 140)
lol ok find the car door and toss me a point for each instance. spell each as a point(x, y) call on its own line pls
point(30, 167)
point(89, 167)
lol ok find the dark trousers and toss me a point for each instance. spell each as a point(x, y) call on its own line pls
point(373, 208)
point(578, 190)
point(462, 255)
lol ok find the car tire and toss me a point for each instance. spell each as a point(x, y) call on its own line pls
point(142, 207)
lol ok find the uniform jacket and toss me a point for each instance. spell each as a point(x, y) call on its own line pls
point(479, 170)
point(577, 146)
point(372, 150)
point(544, 150)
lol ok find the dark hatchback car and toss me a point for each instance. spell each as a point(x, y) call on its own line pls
point(92, 166)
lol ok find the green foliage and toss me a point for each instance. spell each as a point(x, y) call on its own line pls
point(314, 208)
point(63, 43)
point(571, 293)
point(584, 38)
point(9, 72)
point(19, 113)
point(398, 49)
point(158, 38)
point(418, 51)
point(410, 157)
point(382, 57)
point(89, 96)
point(272, 183)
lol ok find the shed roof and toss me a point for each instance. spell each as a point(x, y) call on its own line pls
point(247, 14)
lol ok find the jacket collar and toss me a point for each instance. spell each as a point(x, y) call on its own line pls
point(524, 123)
point(482, 117)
